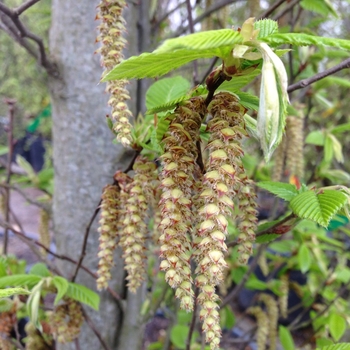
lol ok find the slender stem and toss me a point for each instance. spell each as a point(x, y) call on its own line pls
point(25, 6)
point(290, 5)
point(233, 294)
point(193, 321)
point(272, 8)
point(306, 82)
point(11, 107)
point(94, 329)
point(191, 27)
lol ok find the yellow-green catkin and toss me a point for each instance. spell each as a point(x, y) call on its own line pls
point(295, 148)
point(263, 326)
point(279, 157)
point(215, 204)
point(108, 233)
point(35, 340)
point(44, 231)
point(179, 169)
point(283, 299)
point(272, 313)
point(133, 236)
point(66, 321)
point(111, 30)
point(264, 267)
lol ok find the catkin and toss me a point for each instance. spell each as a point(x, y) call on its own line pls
point(272, 313)
point(263, 326)
point(112, 44)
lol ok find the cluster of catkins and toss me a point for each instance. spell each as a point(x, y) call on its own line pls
point(199, 195)
point(112, 44)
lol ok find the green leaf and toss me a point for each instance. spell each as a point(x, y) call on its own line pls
point(339, 346)
point(318, 207)
point(178, 336)
point(4, 293)
point(236, 83)
point(269, 237)
point(342, 127)
point(33, 303)
point(300, 39)
point(304, 258)
point(227, 318)
point(337, 176)
point(19, 281)
point(40, 269)
point(315, 138)
point(266, 27)
point(328, 149)
point(280, 189)
point(27, 168)
point(337, 326)
point(319, 6)
point(247, 100)
point(167, 106)
point(183, 317)
point(62, 286)
point(255, 284)
point(174, 53)
point(83, 294)
point(166, 90)
point(4, 150)
point(330, 81)
point(286, 338)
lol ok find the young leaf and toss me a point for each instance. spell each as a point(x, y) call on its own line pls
point(280, 189)
point(83, 294)
point(304, 258)
point(315, 138)
point(4, 293)
point(62, 286)
point(166, 90)
point(40, 269)
point(322, 7)
point(337, 326)
point(318, 207)
point(300, 39)
point(167, 106)
point(34, 302)
point(19, 281)
point(286, 338)
point(339, 346)
point(266, 27)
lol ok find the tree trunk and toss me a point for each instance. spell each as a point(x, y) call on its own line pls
point(84, 156)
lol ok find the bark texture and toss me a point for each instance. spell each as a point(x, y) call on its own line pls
point(84, 156)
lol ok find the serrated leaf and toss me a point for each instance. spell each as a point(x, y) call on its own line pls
point(304, 258)
point(286, 338)
point(61, 285)
point(166, 90)
point(83, 294)
point(206, 40)
point(4, 293)
point(300, 39)
point(337, 326)
point(19, 280)
point(40, 269)
point(247, 100)
point(174, 53)
point(236, 83)
point(328, 149)
point(318, 207)
point(167, 106)
point(266, 27)
point(280, 189)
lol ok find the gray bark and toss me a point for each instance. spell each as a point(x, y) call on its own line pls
point(84, 156)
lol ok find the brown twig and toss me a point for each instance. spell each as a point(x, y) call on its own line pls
point(23, 32)
point(290, 5)
point(193, 321)
point(11, 108)
point(94, 329)
point(191, 27)
point(89, 225)
point(306, 82)
point(272, 8)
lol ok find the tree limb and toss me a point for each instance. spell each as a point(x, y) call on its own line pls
point(306, 82)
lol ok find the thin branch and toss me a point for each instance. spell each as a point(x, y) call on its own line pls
point(61, 257)
point(25, 6)
point(272, 8)
point(233, 294)
point(191, 27)
point(215, 7)
point(94, 329)
point(166, 15)
point(286, 9)
point(193, 321)
point(88, 227)
point(11, 108)
point(25, 196)
point(40, 54)
point(306, 82)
